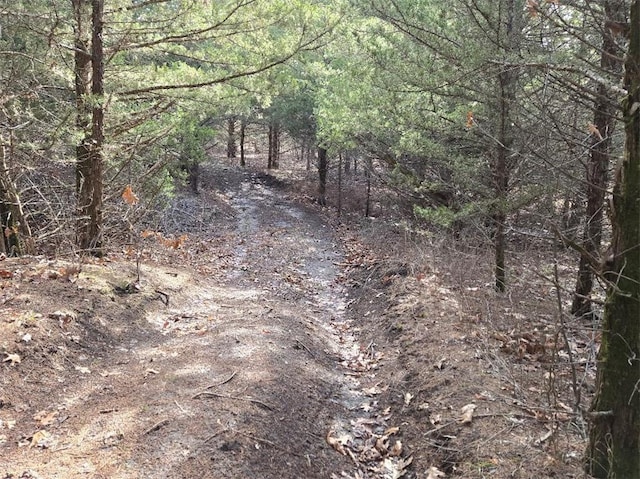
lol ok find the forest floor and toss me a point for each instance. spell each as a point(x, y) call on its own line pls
point(275, 342)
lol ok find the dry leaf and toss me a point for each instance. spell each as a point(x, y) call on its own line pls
point(372, 391)
point(467, 413)
point(440, 364)
point(147, 233)
point(544, 437)
point(83, 370)
point(435, 473)
point(396, 450)
point(593, 130)
point(394, 469)
point(391, 431)
point(129, 196)
point(14, 358)
point(6, 274)
point(470, 119)
point(46, 418)
point(532, 6)
point(382, 445)
point(64, 317)
point(40, 439)
point(335, 443)
point(407, 398)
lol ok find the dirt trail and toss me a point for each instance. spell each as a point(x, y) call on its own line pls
point(242, 374)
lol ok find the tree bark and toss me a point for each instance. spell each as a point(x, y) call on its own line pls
point(322, 175)
point(16, 233)
point(604, 120)
point(502, 164)
point(614, 436)
point(270, 148)
point(89, 151)
point(231, 138)
point(274, 146)
point(340, 185)
point(243, 128)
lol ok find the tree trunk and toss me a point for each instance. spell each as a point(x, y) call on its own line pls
point(340, 184)
point(367, 172)
point(614, 436)
point(16, 233)
point(322, 175)
point(505, 105)
point(243, 128)
point(275, 146)
point(231, 138)
point(597, 169)
point(89, 152)
point(270, 148)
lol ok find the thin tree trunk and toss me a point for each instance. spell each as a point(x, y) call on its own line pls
point(16, 233)
point(89, 161)
point(367, 172)
point(614, 436)
point(597, 169)
point(231, 138)
point(276, 146)
point(340, 184)
point(502, 165)
point(322, 175)
point(270, 148)
point(243, 127)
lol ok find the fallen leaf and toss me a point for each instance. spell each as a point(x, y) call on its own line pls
point(467, 413)
point(391, 431)
point(46, 418)
point(544, 437)
point(14, 358)
point(83, 370)
point(407, 398)
point(394, 469)
point(26, 338)
point(382, 445)
point(6, 274)
point(434, 473)
point(40, 439)
point(335, 443)
point(396, 450)
point(372, 391)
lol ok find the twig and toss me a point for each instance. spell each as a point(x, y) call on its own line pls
point(306, 348)
point(218, 432)
point(155, 427)
point(567, 344)
point(163, 297)
point(233, 375)
point(259, 439)
point(270, 443)
point(180, 407)
point(226, 396)
point(215, 385)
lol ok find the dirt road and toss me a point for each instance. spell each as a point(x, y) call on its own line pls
point(250, 371)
